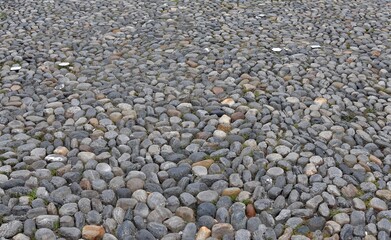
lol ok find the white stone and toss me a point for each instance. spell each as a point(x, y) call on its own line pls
point(310, 169)
point(15, 68)
point(225, 119)
point(317, 160)
point(200, 171)
point(326, 135)
point(292, 100)
point(276, 49)
point(219, 134)
point(103, 168)
point(55, 158)
point(63, 64)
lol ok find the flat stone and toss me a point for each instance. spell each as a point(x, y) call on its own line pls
point(207, 196)
point(175, 224)
point(221, 229)
point(10, 229)
point(44, 234)
point(275, 172)
point(47, 221)
point(92, 232)
point(384, 194)
point(56, 158)
point(378, 204)
point(233, 191)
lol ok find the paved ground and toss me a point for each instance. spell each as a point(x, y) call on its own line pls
point(175, 119)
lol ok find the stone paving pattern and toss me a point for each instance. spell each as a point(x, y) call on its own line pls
point(195, 119)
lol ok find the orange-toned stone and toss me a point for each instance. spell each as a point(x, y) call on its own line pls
point(250, 210)
point(320, 100)
point(192, 64)
point(92, 232)
point(365, 166)
point(100, 96)
point(287, 234)
point(202, 135)
point(245, 76)
point(376, 53)
point(385, 194)
point(203, 233)
point(115, 116)
point(228, 101)
point(224, 127)
point(205, 163)
point(61, 150)
point(173, 113)
point(233, 191)
point(349, 191)
point(217, 90)
point(376, 160)
point(236, 116)
point(15, 87)
point(85, 184)
point(94, 122)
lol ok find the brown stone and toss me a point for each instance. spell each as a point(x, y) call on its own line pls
point(385, 194)
point(245, 76)
point(228, 101)
point(370, 237)
point(224, 127)
point(365, 166)
point(62, 170)
point(85, 148)
point(334, 237)
point(15, 87)
point(51, 119)
point(85, 184)
point(173, 113)
point(287, 77)
point(135, 184)
point(205, 163)
point(248, 87)
point(320, 100)
point(221, 229)
point(202, 135)
point(233, 191)
point(61, 150)
point(217, 90)
point(376, 53)
point(94, 122)
point(203, 233)
point(349, 191)
point(100, 96)
point(350, 60)
point(338, 85)
point(192, 64)
point(185, 213)
point(287, 234)
point(236, 116)
point(376, 160)
point(250, 210)
point(115, 117)
point(92, 232)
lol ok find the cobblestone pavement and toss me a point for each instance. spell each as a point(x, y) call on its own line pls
point(195, 119)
